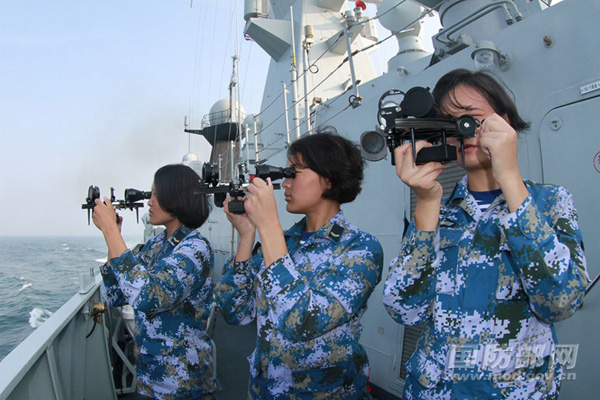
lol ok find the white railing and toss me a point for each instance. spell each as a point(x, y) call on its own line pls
point(58, 361)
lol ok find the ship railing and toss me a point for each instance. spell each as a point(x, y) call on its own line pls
point(67, 357)
point(219, 117)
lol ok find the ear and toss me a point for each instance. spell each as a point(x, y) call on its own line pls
point(327, 183)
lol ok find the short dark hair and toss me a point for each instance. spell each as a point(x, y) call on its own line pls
point(334, 158)
point(174, 185)
point(495, 94)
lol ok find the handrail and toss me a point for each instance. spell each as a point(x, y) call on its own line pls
point(591, 285)
point(31, 368)
point(486, 9)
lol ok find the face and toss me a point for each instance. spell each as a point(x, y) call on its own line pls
point(158, 216)
point(472, 103)
point(304, 193)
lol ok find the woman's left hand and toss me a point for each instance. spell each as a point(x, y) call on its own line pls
point(105, 216)
point(261, 209)
point(260, 204)
point(498, 140)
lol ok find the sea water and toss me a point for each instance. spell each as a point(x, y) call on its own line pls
point(37, 276)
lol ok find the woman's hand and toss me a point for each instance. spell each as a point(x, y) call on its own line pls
point(499, 140)
point(240, 222)
point(261, 213)
point(260, 205)
point(261, 208)
point(105, 217)
point(422, 179)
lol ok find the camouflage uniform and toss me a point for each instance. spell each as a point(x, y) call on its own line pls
point(169, 284)
point(308, 306)
point(488, 286)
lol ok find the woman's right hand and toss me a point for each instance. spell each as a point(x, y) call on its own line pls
point(422, 179)
point(240, 222)
point(245, 229)
point(105, 217)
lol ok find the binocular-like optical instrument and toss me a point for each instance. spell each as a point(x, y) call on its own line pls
point(415, 118)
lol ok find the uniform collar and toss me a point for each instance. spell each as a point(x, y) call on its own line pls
point(332, 229)
point(178, 235)
point(460, 191)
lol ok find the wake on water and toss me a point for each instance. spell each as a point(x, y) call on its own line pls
point(25, 284)
point(37, 276)
point(37, 316)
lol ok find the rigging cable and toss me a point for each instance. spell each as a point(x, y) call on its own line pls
point(338, 113)
point(92, 331)
point(201, 69)
point(212, 52)
point(193, 99)
point(379, 42)
point(246, 70)
point(341, 34)
point(425, 12)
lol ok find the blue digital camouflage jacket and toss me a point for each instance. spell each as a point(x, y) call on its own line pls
point(488, 286)
point(308, 306)
point(169, 285)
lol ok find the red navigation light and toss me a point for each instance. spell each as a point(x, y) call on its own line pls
point(361, 4)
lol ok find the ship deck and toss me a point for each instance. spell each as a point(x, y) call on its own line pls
point(234, 345)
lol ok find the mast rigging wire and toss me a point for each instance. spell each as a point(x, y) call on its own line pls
point(313, 65)
point(425, 12)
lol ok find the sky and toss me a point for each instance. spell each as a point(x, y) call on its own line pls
point(95, 92)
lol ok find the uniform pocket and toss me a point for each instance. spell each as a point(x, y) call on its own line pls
point(424, 369)
point(528, 381)
point(310, 380)
point(322, 379)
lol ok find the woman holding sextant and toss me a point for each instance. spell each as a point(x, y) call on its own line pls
point(489, 269)
point(307, 287)
point(169, 285)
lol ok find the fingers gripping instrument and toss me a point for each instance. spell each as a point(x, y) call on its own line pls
point(237, 187)
point(132, 200)
point(415, 118)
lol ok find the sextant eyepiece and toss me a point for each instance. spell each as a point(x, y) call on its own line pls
point(133, 195)
point(268, 171)
point(466, 125)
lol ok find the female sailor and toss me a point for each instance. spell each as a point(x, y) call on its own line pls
point(307, 287)
point(169, 285)
point(489, 269)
